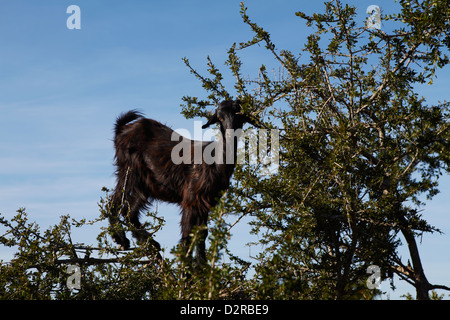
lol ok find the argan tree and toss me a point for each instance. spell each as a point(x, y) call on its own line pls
point(359, 151)
point(359, 147)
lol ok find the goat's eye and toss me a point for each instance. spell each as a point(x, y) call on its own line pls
point(220, 118)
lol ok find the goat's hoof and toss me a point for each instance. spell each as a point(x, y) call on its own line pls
point(155, 244)
point(124, 245)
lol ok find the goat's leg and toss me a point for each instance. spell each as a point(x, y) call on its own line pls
point(119, 237)
point(186, 230)
point(139, 201)
point(202, 223)
point(189, 220)
point(141, 235)
point(201, 247)
point(124, 203)
point(115, 210)
point(138, 232)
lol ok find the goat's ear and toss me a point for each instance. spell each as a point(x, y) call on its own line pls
point(211, 121)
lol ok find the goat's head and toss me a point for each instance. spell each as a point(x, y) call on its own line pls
point(228, 114)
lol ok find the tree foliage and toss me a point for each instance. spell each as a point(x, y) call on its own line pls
point(39, 269)
point(359, 149)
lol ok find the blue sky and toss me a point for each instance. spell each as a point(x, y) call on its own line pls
point(61, 90)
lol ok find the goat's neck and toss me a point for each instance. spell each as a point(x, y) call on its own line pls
point(229, 143)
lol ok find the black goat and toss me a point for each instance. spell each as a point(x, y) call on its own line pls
point(146, 171)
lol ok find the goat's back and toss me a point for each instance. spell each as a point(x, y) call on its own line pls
point(144, 148)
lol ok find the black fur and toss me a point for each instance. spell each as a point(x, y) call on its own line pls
point(145, 171)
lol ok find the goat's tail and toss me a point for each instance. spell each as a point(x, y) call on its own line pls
point(125, 118)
